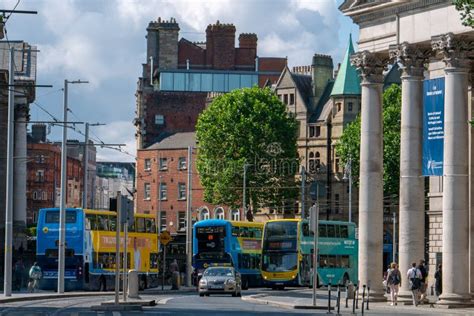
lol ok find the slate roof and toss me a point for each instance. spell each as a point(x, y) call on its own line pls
point(347, 81)
point(176, 141)
point(304, 85)
point(317, 114)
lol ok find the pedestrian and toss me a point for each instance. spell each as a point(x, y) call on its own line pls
point(424, 279)
point(394, 280)
point(18, 272)
point(174, 269)
point(35, 275)
point(438, 281)
point(414, 276)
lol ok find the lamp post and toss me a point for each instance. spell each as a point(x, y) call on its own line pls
point(348, 176)
point(62, 209)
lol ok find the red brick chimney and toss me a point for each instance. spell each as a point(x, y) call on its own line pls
point(220, 50)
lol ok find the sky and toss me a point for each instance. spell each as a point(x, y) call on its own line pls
point(103, 41)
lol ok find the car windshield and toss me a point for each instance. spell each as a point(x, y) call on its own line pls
point(219, 272)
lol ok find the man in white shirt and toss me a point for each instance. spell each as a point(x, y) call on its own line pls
point(414, 278)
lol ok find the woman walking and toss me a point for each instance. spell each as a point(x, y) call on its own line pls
point(394, 279)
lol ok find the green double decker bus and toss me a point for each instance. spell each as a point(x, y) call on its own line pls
point(287, 252)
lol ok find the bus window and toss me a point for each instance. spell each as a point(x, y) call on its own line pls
point(344, 231)
point(331, 231)
point(344, 261)
point(149, 225)
point(153, 261)
point(332, 261)
point(131, 226)
point(306, 231)
point(281, 229)
point(91, 220)
point(53, 253)
point(323, 230)
point(336, 229)
point(112, 223)
point(105, 260)
point(235, 231)
point(244, 232)
point(257, 233)
point(103, 221)
point(52, 217)
point(323, 261)
point(140, 222)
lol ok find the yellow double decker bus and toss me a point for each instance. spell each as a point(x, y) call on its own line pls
point(90, 249)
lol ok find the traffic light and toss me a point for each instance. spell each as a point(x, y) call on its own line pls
point(126, 209)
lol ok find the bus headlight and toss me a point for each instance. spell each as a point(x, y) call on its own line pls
point(203, 282)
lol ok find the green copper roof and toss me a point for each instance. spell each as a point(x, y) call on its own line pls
point(347, 81)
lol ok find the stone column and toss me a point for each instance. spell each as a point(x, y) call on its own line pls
point(455, 173)
point(371, 174)
point(411, 211)
point(19, 199)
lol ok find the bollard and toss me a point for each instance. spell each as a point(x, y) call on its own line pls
point(329, 298)
point(347, 296)
point(338, 299)
point(368, 296)
point(363, 298)
point(357, 296)
point(133, 284)
point(354, 304)
point(432, 292)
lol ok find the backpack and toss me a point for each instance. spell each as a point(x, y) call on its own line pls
point(415, 282)
point(394, 278)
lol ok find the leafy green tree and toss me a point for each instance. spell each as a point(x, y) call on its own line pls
point(349, 143)
point(248, 126)
point(466, 8)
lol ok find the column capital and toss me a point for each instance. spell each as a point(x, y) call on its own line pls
point(22, 110)
point(454, 51)
point(370, 67)
point(411, 58)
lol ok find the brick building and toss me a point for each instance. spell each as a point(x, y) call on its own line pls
point(162, 171)
point(44, 178)
point(179, 74)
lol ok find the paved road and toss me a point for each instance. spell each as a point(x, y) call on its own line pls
point(187, 304)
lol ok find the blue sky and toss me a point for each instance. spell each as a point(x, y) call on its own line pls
point(104, 42)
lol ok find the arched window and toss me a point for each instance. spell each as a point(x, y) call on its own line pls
point(314, 162)
point(204, 213)
point(35, 195)
point(219, 213)
point(234, 215)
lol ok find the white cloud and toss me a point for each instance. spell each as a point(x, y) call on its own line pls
point(116, 132)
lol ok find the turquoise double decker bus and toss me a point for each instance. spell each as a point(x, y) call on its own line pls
point(287, 252)
point(236, 244)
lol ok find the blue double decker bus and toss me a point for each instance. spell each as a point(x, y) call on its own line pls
point(222, 242)
point(90, 249)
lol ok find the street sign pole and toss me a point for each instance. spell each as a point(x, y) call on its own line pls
point(314, 224)
point(117, 248)
point(164, 265)
point(125, 260)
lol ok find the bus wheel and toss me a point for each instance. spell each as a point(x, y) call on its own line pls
point(245, 284)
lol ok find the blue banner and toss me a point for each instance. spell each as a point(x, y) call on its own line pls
point(433, 127)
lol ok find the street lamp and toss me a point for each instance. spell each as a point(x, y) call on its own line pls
point(348, 176)
point(62, 208)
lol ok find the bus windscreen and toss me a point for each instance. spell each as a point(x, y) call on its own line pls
point(52, 217)
point(210, 241)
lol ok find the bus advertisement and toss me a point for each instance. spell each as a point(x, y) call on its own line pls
point(287, 252)
point(222, 242)
point(90, 249)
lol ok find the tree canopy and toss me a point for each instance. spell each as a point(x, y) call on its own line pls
point(466, 8)
point(349, 143)
point(249, 126)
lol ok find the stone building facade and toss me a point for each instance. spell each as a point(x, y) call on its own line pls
point(427, 40)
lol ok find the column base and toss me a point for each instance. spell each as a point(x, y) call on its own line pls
point(452, 300)
point(404, 297)
point(377, 296)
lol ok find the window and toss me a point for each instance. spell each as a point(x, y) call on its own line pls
point(163, 163)
point(219, 214)
point(318, 131)
point(162, 221)
point(150, 225)
point(292, 98)
point(153, 260)
point(312, 131)
point(159, 119)
point(285, 98)
point(163, 191)
point(323, 230)
point(338, 105)
point(234, 215)
point(52, 217)
point(181, 163)
point(35, 195)
point(147, 164)
point(344, 231)
point(140, 224)
point(204, 214)
point(349, 106)
point(147, 193)
point(314, 162)
point(331, 231)
point(181, 191)
point(39, 175)
point(181, 221)
point(39, 158)
point(44, 196)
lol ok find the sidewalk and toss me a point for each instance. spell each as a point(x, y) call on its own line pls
point(302, 299)
point(45, 295)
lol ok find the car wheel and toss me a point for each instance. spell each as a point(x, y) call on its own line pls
point(201, 294)
point(239, 294)
point(208, 294)
point(234, 294)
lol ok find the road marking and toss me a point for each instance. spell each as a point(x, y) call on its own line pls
point(166, 300)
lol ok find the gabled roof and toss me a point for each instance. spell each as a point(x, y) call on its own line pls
point(304, 86)
point(176, 141)
point(347, 81)
point(318, 114)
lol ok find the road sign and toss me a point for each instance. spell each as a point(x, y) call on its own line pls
point(165, 237)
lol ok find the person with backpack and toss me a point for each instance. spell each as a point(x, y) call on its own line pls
point(438, 281)
point(424, 279)
point(394, 279)
point(35, 275)
point(414, 276)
